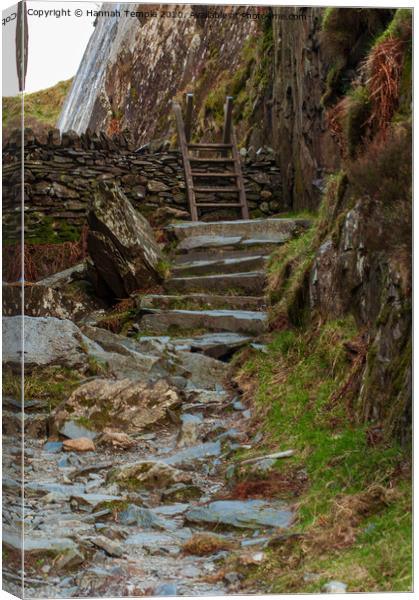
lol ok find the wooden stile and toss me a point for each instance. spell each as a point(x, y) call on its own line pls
point(228, 145)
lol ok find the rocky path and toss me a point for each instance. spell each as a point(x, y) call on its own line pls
point(145, 511)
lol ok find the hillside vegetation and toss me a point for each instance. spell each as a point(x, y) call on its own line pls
point(41, 108)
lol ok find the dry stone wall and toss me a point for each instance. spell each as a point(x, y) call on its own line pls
point(61, 173)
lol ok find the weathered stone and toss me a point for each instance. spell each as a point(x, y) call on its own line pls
point(236, 321)
point(79, 445)
point(68, 559)
point(148, 474)
point(42, 301)
point(334, 587)
point(109, 546)
point(156, 186)
point(73, 430)
point(189, 433)
point(247, 514)
point(165, 589)
point(121, 243)
point(38, 544)
point(124, 404)
point(48, 341)
point(93, 500)
point(116, 439)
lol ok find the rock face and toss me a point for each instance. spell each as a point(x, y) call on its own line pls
point(121, 243)
point(303, 143)
point(178, 49)
point(366, 271)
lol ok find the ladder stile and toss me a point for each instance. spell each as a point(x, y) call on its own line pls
point(223, 161)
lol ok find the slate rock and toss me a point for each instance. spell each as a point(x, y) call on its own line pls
point(165, 589)
point(149, 474)
point(48, 341)
point(247, 514)
point(111, 547)
point(124, 405)
point(121, 243)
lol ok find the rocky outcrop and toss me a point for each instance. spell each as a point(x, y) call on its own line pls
point(365, 269)
point(121, 244)
point(304, 146)
point(47, 340)
point(73, 302)
point(146, 60)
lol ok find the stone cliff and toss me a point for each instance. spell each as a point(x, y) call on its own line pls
point(135, 65)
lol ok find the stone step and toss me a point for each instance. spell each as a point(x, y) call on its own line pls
point(233, 321)
point(222, 253)
point(220, 265)
point(250, 228)
point(252, 283)
point(228, 242)
point(221, 345)
point(202, 301)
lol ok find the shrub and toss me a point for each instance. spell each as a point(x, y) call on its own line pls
point(383, 172)
point(384, 67)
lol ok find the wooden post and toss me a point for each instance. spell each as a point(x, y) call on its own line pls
point(228, 113)
point(188, 117)
point(186, 164)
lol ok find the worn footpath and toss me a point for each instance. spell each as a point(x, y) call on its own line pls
point(127, 480)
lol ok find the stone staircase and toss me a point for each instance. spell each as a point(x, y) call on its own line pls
point(214, 300)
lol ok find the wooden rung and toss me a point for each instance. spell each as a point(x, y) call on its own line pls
point(210, 146)
point(210, 160)
point(209, 190)
point(213, 174)
point(218, 204)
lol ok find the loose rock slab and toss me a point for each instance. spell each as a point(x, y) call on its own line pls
point(121, 243)
point(244, 514)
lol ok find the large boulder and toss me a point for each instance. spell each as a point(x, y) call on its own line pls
point(125, 405)
point(47, 341)
point(121, 244)
point(52, 341)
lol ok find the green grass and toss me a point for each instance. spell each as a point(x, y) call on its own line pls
point(52, 384)
point(41, 108)
point(380, 560)
point(286, 271)
point(295, 386)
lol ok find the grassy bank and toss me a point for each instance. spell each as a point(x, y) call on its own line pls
point(354, 509)
point(42, 108)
